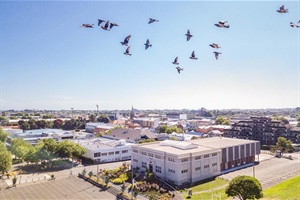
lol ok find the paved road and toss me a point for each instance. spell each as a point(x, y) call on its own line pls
point(270, 171)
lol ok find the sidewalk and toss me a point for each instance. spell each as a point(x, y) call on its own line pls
point(27, 178)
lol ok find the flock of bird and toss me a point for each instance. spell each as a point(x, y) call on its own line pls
point(221, 24)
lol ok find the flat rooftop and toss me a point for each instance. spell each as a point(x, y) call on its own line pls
point(206, 145)
point(101, 143)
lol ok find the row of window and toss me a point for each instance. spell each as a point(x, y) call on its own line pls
point(99, 154)
point(158, 169)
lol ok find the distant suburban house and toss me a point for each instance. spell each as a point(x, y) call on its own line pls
point(132, 136)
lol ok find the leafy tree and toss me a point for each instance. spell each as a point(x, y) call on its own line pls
point(244, 187)
point(92, 117)
point(5, 159)
point(32, 124)
point(166, 129)
point(24, 125)
point(20, 148)
point(69, 149)
point(3, 135)
point(284, 145)
point(41, 124)
point(103, 118)
point(222, 120)
point(280, 118)
point(13, 117)
point(31, 156)
point(58, 123)
point(47, 116)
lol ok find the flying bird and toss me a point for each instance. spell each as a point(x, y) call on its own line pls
point(152, 20)
point(100, 21)
point(294, 25)
point(282, 9)
point(127, 51)
point(88, 25)
point(112, 25)
point(214, 45)
point(193, 56)
point(105, 27)
point(176, 61)
point(222, 24)
point(147, 45)
point(179, 69)
point(126, 40)
point(188, 35)
point(217, 54)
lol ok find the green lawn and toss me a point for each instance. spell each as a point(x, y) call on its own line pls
point(209, 185)
point(289, 189)
point(218, 194)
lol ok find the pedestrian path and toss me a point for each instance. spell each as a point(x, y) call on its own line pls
point(28, 178)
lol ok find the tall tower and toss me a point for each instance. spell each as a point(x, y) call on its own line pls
point(131, 113)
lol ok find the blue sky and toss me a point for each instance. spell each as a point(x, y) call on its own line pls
point(49, 62)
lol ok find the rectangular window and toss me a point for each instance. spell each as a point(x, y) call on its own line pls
point(206, 166)
point(171, 171)
point(171, 159)
point(117, 152)
point(110, 153)
point(135, 151)
point(103, 154)
point(144, 165)
point(158, 156)
point(214, 164)
point(197, 157)
point(144, 153)
point(184, 160)
point(214, 154)
point(135, 160)
point(97, 154)
point(184, 171)
point(206, 155)
point(125, 151)
point(197, 168)
point(150, 155)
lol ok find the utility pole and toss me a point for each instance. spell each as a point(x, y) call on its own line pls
point(72, 112)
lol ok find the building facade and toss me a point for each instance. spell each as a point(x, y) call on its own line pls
point(262, 129)
point(181, 163)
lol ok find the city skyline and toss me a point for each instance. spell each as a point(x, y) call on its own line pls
point(52, 63)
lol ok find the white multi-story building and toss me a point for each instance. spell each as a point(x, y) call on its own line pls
point(102, 150)
point(183, 163)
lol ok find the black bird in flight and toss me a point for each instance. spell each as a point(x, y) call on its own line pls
point(222, 24)
point(88, 25)
point(193, 56)
point(175, 62)
point(147, 44)
point(179, 69)
point(282, 9)
point(105, 27)
point(112, 25)
point(217, 54)
point(127, 51)
point(126, 40)
point(188, 35)
point(151, 20)
point(100, 21)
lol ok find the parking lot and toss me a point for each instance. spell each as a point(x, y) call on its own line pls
point(270, 171)
point(64, 188)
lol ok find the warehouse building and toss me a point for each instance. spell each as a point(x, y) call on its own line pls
point(181, 162)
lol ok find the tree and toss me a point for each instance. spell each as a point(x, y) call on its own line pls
point(58, 123)
point(24, 125)
point(284, 145)
point(5, 159)
point(3, 135)
point(103, 118)
point(92, 117)
point(244, 187)
point(20, 148)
